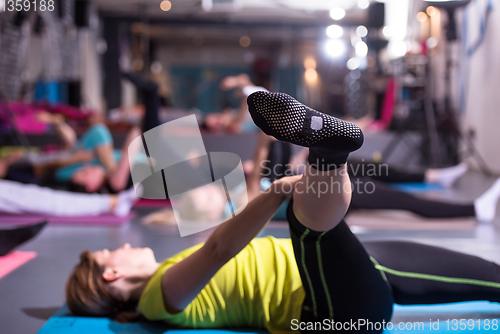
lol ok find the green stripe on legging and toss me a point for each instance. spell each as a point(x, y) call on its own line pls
point(381, 271)
point(303, 255)
point(322, 274)
point(438, 278)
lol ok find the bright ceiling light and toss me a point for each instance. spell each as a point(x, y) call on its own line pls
point(431, 11)
point(432, 43)
point(398, 49)
point(386, 31)
point(337, 13)
point(363, 4)
point(311, 75)
point(335, 48)
point(334, 31)
point(361, 31)
point(361, 49)
point(165, 5)
point(309, 62)
point(245, 41)
point(421, 17)
point(353, 63)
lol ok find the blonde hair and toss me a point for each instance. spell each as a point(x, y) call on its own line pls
point(87, 293)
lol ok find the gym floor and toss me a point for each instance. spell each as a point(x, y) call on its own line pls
point(33, 292)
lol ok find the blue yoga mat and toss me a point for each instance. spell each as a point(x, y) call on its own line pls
point(63, 323)
point(469, 307)
point(467, 312)
point(418, 187)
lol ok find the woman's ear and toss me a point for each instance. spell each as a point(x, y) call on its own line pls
point(111, 275)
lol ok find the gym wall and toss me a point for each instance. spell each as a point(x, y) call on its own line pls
point(483, 98)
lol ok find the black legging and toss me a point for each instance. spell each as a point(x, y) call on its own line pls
point(371, 194)
point(382, 172)
point(346, 280)
point(371, 191)
point(149, 92)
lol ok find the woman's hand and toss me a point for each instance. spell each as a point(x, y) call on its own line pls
point(286, 185)
point(48, 118)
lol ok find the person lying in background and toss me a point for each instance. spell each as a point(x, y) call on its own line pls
point(88, 164)
point(18, 198)
point(73, 151)
point(238, 121)
point(371, 189)
point(109, 170)
point(39, 168)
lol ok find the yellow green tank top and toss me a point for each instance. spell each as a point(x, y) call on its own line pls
point(258, 288)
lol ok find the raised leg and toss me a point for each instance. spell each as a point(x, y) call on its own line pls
point(322, 197)
point(340, 281)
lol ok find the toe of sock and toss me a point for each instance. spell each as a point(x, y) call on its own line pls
point(257, 117)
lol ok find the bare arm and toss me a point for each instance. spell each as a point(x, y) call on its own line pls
point(260, 154)
point(119, 179)
point(105, 155)
point(64, 131)
point(242, 111)
point(180, 286)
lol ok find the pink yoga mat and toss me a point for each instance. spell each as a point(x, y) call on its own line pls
point(14, 260)
point(108, 219)
point(152, 203)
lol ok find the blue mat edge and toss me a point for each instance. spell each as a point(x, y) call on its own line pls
point(417, 187)
point(63, 322)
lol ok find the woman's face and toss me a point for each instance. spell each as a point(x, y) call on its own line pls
point(126, 269)
point(90, 177)
point(127, 260)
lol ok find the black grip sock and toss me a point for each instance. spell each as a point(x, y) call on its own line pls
point(330, 140)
